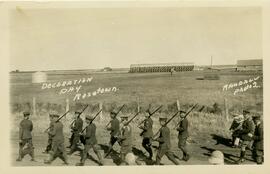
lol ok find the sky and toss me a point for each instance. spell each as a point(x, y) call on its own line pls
point(90, 38)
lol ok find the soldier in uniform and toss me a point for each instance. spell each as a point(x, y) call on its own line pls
point(25, 138)
point(235, 128)
point(76, 128)
point(183, 135)
point(49, 145)
point(58, 148)
point(147, 134)
point(125, 139)
point(258, 140)
point(90, 141)
point(114, 131)
point(164, 143)
point(246, 133)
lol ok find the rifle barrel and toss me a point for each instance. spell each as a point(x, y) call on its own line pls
point(57, 120)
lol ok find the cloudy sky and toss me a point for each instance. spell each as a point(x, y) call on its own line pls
point(49, 39)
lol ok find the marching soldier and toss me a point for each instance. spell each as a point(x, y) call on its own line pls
point(90, 141)
point(76, 128)
point(236, 126)
point(164, 143)
point(49, 145)
point(114, 131)
point(147, 134)
point(246, 133)
point(258, 140)
point(25, 138)
point(183, 135)
point(58, 148)
point(125, 139)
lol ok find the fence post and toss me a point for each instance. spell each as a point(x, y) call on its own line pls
point(34, 106)
point(101, 113)
point(226, 109)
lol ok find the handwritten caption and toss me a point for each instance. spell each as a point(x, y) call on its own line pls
point(242, 85)
point(75, 86)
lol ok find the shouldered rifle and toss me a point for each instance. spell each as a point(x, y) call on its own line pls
point(132, 118)
point(186, 115)
point(92, 120)
point(150, 115)
point(57, 120)
point(167, 122)
point(116, 114)
point(79, 115)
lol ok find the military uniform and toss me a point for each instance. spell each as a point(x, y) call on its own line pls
point(25, 138)
point(164, 145)
point(147, 136)
point(246, 133)
point(49, 144)
point(90, 142)
point(58, 148)
point(257, 151)
point(182, 138)
point(76, 129)
point(114, 132)
point(235, 127)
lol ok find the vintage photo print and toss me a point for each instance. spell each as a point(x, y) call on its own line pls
point(135, 84)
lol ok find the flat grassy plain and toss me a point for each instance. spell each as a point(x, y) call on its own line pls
point(207, 127)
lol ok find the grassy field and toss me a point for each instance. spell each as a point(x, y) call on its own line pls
point(140, 89)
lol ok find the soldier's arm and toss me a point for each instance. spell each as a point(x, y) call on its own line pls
point(54, 127)
point(165, 133)
point(31, 126)
point(20, 131)
point(259, 137)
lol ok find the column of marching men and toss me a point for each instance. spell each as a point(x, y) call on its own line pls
point(83, 139)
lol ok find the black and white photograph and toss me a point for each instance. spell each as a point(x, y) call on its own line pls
point(131, 84)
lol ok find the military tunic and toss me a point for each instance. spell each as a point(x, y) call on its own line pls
point(258, 144)
point(76, 129)
point(25, 136)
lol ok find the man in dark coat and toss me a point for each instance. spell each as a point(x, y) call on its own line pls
point(164, 143)
point(258, 140)
point(246, 133)
point(76, 128)
point(183, 135)
point(125, 139)
point(90, 141)
point(114, 129)
point(147, 134)
point(49, 145)
point(235, 128)
point(58, 148)
point(25, 138)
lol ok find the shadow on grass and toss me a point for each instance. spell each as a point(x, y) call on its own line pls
point(115, 156)
point(228, 158)
point(221, 140)
point(141, 156)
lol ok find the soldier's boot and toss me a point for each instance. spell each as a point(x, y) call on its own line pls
point(108, 152)
point(20, 156)
point(242, 157)
point(99, 158)
point(50, 160)
point(32, 154)
point(123, 160)
point(172, 159)
point(149, 150)
point(81, 163)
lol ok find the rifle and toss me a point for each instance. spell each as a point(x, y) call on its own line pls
point(78, 115)
point(132, 118)
point(57, 120)
point(116, 114)
point(150, 115)
point(167, 122)
point(82, 138)
point(186, 115)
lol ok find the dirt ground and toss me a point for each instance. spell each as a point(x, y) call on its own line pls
point(199, 152)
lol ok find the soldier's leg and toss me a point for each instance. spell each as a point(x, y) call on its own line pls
point(74, 146)
point(52, 154)
point(98, 154)
point(111, 143)
point(182, 144)
point(21, 154)
point(147, 145)
point(259, 156)
point(243, 152)
point(70, 140)
point(170, 156)
point(84, 155)
point(160, 154)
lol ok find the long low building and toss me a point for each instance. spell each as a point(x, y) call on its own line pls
point(249, 65)
point(161, 67)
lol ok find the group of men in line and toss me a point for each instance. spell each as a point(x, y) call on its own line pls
point(121, 132)
point(248, 128)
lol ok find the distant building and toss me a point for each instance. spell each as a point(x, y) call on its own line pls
point(250, 65)
point(161, 67)
point(39, 77)
point(107, 69)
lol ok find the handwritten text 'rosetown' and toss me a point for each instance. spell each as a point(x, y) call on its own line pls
point(242, 85)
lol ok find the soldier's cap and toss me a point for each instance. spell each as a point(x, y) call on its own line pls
point(181, 111)
point(162, 118)
point(89, 117)
point(256, 116)
point(113, 112)
point(26, 113)
point(246, 111)
point(123, 116)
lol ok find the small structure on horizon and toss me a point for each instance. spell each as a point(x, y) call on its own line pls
point(161, 67)
point(250, 65)
point(39, 77)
